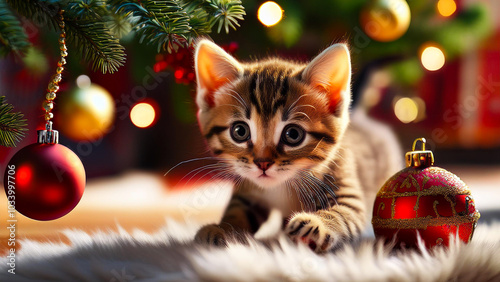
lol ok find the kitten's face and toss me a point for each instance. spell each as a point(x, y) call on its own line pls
point(272, 121)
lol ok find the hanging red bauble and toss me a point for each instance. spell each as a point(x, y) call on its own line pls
point(47, 179)
point(424, 201)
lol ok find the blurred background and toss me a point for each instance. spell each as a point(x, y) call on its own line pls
point(427, 68)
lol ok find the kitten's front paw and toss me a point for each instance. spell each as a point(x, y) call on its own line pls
point(211, 235)
point(311, 229)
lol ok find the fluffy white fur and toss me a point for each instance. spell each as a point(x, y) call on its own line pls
point(169, 255)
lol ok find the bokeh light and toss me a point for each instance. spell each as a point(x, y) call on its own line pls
point(143, 115)
point(83, 81)
point(269, 13)
point(406, 110)
point(446, 8)
point(422, 108)
point(432, 58)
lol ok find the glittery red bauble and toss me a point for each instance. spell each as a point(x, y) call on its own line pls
point(47, 181)
point(427, 200)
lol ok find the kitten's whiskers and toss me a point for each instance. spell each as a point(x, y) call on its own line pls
point(302, 113)
point(291, 108)
point(200, 169)
point(316, 147)
point(195, 159)
point(239, 98)
point(305, 105)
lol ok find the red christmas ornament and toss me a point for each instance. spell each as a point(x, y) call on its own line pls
point(46, 179)
point(426, 201)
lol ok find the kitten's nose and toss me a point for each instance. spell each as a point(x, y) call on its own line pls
point(263, 164)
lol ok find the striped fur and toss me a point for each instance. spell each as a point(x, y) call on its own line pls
point(315, 184)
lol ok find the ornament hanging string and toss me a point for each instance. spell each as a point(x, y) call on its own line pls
point(50, 136)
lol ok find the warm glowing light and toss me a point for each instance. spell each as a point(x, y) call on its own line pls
point(421, 108)
point(371, 97)
point(432, 58)
point(406, 110)
point(142, 115)
point(446, 8)
point(83, 81)
point(270, 13)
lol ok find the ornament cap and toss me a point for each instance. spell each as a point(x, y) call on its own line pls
point(48, 136)
point(419, 158)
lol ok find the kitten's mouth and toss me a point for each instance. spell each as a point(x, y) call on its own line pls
point(263, 175)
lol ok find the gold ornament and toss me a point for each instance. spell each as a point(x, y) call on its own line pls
point(85, 114)
point(385, 20)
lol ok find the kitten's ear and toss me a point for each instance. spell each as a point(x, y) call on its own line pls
point(330, 72)
point(214, 68)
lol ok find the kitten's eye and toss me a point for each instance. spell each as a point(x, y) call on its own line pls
point(293, 135)
point(240, 132)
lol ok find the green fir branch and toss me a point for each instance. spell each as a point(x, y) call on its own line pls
point(86, 28)
point(171, 24)
point(12, 125)
point(12, 35)
point(222, 13)
point(94, 27)
point(162, 23)
point(120, 25)
point(41, 12)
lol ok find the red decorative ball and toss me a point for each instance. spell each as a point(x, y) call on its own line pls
point(425, 200)
point(46, 180)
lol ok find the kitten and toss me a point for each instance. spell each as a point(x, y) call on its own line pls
point(282, 129)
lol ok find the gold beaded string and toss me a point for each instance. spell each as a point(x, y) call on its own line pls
point(53, 87)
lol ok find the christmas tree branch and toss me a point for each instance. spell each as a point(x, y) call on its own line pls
point(220, 12)
point(171, 24)
point(12, 125)
point(95, 26)
point(12, 35)
point(42, 12)
point(86, 27)
point(157, 22)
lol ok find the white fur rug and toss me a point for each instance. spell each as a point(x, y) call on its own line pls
point(169, 255)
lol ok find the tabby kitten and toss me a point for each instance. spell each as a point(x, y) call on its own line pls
point(282, 129)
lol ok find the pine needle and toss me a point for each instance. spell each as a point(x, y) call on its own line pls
point(12, 35)
point(12, 125)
